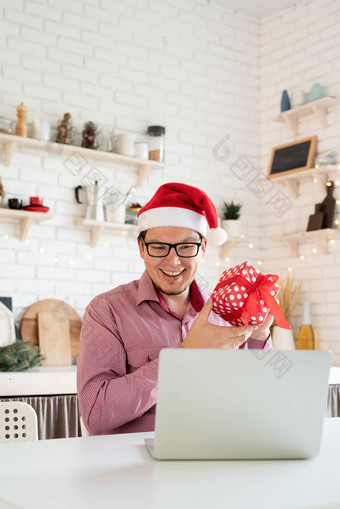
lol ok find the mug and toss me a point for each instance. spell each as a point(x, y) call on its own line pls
point(41, 129)
point(115, 214)
point(124, 144)
point(141, 150)
point(298, 98)
point(14, 203)
point(36, 200)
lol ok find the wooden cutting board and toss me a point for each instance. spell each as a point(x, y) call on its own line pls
point(54, 338)
point(29, 324)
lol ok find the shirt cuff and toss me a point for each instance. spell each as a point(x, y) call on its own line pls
point(257, 344)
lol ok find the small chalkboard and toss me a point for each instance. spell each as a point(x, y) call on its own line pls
point(292, 157)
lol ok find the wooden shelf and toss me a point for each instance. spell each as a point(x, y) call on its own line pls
point(319, 174)
point(317, 108)
point(229, 245)
point(11, 142)
point(98, 227)
point(25, 217)
point(319, 237)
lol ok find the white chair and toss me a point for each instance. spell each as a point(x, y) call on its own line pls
point(18, 422)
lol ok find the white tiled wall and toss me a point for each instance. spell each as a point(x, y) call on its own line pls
point(298, 47)
point(191, 66)
point(206, 73)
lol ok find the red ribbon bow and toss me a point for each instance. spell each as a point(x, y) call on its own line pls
point(260, 290)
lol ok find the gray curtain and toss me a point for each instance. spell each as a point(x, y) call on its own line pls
point(333, 402)
point(58, 416)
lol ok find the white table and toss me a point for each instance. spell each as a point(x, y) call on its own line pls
point(117, 471)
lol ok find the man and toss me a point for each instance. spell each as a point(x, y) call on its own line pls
point(125, 328)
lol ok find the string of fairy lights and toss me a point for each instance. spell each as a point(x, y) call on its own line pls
point(55, 259)
point(331, 239)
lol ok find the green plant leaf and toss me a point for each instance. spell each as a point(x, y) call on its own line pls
point(232, 210)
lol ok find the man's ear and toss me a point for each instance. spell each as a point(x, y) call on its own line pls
point(204, 245)
point(141, 247)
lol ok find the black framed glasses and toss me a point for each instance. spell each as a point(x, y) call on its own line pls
point(162, 249)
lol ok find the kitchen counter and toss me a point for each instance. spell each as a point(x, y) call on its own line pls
point(45, 380)
point(42, 380)
point(334, 376)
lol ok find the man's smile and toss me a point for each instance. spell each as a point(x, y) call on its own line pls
point(168, 273)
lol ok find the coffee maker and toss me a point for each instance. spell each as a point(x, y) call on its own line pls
point(94, 208)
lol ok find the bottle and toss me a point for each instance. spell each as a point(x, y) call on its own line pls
point(156, 142)
point(306, 334)
point(328, 206)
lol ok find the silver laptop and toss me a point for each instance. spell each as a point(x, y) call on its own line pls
point(235, 404)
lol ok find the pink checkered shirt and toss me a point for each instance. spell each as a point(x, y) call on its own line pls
point(123, 332)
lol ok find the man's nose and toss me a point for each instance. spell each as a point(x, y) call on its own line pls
point(173, 256)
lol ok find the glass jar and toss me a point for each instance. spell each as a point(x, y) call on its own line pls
point(6, 125)
point(156, 143)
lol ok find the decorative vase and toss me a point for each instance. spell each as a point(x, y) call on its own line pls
point(232, 227)
point(285, 102)
point(316, 92)
point(282, 339)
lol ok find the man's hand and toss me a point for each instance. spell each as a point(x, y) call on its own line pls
point(263, 330)
point(206, 335)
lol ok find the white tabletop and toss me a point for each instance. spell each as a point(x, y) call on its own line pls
point(117, 471)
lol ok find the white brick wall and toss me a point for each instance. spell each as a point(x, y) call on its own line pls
point(300, 46)
point(202, 71)
point(125, 65)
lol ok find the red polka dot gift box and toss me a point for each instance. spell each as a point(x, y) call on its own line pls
point(245, 296)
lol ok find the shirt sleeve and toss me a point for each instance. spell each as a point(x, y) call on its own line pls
point(256, 344)
point(109, 396)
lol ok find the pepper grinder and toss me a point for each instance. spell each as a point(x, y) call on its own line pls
point(21, 127)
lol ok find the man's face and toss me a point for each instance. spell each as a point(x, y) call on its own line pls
point(172, 275)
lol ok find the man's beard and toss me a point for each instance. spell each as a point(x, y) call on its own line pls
point(174, 292)
point(171, 292)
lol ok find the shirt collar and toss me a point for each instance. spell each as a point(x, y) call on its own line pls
point(198, 297)
point(147, 291)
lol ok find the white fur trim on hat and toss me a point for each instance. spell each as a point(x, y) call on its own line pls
point(173, 216)
point(183, 218)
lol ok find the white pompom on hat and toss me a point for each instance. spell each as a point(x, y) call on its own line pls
point(176, 204)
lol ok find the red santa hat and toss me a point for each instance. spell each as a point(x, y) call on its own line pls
point(176, 204)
